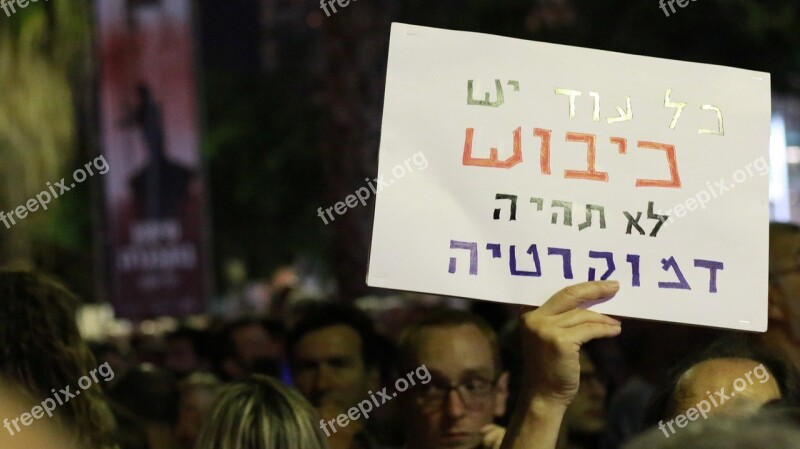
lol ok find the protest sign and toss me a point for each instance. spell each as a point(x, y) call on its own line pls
point(551, 165)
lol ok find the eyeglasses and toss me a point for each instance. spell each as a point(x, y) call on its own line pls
point(474, 393)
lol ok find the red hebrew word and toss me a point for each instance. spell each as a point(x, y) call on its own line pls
point(675, 178)
point(515, 158)
point(591, 173)
point(544, 151)
point(622, 142)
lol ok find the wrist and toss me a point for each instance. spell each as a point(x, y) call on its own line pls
point(535, 423)
point(546, 407)
point(541, 401)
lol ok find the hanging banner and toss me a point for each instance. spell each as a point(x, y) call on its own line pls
point(154, 192)
point(550, 165)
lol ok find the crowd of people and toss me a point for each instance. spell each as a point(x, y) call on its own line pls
point(557, 376)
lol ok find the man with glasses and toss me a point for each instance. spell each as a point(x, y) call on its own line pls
point(468, 387)
point(783, 334)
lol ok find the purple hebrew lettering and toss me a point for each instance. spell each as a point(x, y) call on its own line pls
point(473, 256)
point(495, 249)
point(712, 266)
point(666, 264)
point(633, 259)
point(566, 255)
point(609, 257)
point(512, 262)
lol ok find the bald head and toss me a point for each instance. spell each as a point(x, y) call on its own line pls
point(733, 386)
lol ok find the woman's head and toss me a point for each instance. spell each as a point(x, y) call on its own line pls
point(42, 351)
point(260, 413)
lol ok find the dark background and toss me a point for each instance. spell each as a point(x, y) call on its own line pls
point(291, 105)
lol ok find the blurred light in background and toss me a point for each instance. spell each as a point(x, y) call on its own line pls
point(793, 155)
point(780, 207)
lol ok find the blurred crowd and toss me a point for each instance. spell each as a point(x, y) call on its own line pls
point(429, 373)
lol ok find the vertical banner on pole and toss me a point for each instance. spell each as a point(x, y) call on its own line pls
point(154, 192)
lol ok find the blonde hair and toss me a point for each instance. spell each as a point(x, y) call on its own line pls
point(261, 413)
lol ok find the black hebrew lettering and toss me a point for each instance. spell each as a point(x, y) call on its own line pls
point(513, 212)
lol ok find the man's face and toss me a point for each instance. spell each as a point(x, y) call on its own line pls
point(181, 357)
point(255, 352)
point(585, 414)
point(454, 355)
point(253, 342)
point(329, 370)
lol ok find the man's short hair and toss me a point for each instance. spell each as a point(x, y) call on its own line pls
point(195, 337)
point(444, 318)
point(324, 315)
point(224, 347)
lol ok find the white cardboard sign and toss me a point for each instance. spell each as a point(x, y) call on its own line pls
point(551, 165)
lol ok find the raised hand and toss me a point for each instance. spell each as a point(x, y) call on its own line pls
point(552, 336)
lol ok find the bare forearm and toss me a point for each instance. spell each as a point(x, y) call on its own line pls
point(534, 425)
